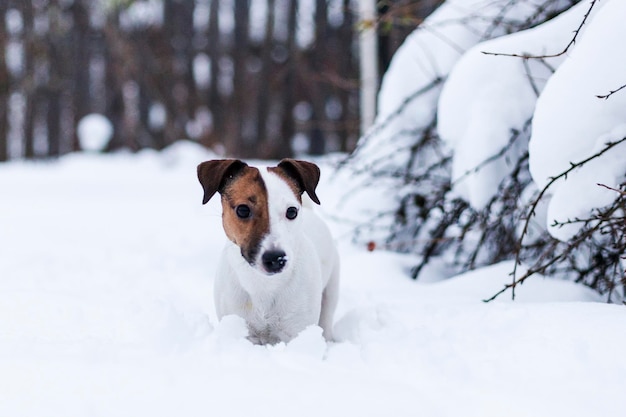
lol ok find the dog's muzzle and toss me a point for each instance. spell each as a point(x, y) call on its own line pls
point(274, 261)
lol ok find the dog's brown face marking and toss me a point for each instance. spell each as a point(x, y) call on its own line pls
point(246, 195)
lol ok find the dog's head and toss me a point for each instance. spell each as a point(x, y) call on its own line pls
point(260, 207)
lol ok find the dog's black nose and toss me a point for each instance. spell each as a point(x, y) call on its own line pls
point(274, 260)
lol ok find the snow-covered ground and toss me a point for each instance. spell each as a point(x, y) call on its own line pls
point(106, 271)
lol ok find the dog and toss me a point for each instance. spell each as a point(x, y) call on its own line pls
point(279, 270)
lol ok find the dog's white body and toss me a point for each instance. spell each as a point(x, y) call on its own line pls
point(278, 305)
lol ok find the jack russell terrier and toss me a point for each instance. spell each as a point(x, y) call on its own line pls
point(280, 269)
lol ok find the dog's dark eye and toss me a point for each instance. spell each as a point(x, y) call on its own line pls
point(291, 213)
point(243, 211)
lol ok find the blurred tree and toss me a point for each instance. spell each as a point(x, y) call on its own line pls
point(346, 67)
point(115, 71)
point(263, 97)
point(54, 88)
point(29, 79)
point(176, 70)
point(4, 86)
point(318, 90)
point(214, 53)
point(397, 20)
point(241, 140)
point(288, 95)
point(80, 36)
point(217, 72)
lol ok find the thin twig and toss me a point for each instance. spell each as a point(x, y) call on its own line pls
point(571, 245)
point(610, 93)
point(563, 52)
point(377, 128)
point(514, 136)
point(532, 212)
point(612, 189)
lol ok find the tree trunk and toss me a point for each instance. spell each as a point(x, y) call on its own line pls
point(346, 71)
point(55, 78)
point(264, 99)
point(167, 60)
point(114, 107)
point(178, 39)
point(81, 96)
point(214, 51)
point(317, 143)
point(240, 143)
point(29, 84)
point(188, 55)
point(4, 87)
point(288, 126)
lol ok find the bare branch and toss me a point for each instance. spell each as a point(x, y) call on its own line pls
point(378, 127)
point(563, 52)
point(515, 134)
point(532, 212)
point(432, 222)
point(613, 189)
point(610, 93)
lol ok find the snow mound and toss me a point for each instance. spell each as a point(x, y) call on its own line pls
point(488, 101)
point(571, 122)
point(483, 283)
point(309, 342)
point(94, 132)
point(185, 153)
point(106, 309)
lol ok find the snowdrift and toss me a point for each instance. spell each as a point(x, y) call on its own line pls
point(106, 309)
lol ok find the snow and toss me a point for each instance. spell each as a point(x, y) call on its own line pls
point(486, 97)
point(141, 14)
point(431, 51)
point(106, 309)
point(14, 22)
point(305, 25)
point(202, 70)
point(571, 123)
point(581, 191)
point(94, 132)
point(258, 17)
point(157, 116)
point(14, 57)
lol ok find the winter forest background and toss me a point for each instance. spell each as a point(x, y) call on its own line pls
point(245, 75)
point(498, 133)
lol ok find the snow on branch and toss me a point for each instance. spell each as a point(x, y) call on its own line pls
point(451, 169)
point(573, 243)
point(555, 55)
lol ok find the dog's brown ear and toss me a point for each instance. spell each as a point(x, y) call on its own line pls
point(213, 175)
point(306, 175)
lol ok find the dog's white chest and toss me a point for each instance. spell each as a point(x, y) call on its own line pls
point(275, 307)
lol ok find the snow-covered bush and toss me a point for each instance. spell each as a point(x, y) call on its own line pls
point(496, 121)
